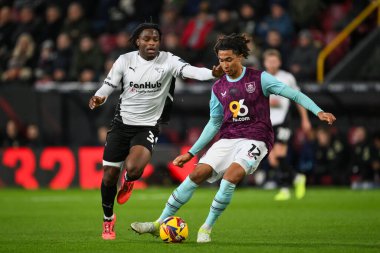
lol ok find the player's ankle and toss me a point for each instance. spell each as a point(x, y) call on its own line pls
point(110, 218)
point(206, 227)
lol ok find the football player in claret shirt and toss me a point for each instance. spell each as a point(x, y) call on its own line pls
point(239, 111)
point(147, 78)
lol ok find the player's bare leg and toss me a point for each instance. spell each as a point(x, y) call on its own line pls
point(108, 192)
point(139, 156)
point(180, 196)
point(234, 174)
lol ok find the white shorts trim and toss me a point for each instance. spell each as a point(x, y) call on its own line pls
point(247, 153)
point(113, 164)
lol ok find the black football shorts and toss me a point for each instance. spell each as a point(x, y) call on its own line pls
point(122, 137)
point(282, 133)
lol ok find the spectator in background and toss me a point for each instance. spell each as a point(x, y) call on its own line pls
point(52, 23)
point(108, 63)
point(45, 67)
point(20, 66)
point(260, 6)
point(253, 59)
point(27, 23)
point(278, 20)
point(305, 13)
point(101, 16)
point(303, 60)
point(375, 157)
point(145, 9)
point(87, 62)
point(194, 37)
point(247, 19)
point(171, 44)
point(170, 21)
point(360, 159)
point(274, 40)
point(121, 15)
point(33, 138)
point(6, 29)
point(307, 153)
point(75, 23)
point(123, 45)
point(225, 22)
point(12, 136)
point(62, 60)
point(330, 159)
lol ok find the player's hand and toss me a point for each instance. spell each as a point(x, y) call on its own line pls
point(182, 159)
point(217, 71)
point(326, 116)
point(95, 101)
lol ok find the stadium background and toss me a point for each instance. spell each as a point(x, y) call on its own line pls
point(55, 54)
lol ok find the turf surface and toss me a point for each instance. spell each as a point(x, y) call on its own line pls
point(327, 220)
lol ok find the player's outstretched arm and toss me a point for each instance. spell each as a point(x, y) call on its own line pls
point(182, 159)
point(201, 74)
point(326, 116)
point(96, 101)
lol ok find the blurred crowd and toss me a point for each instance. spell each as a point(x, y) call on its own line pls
point(43, 41)
point(327, 156)
point(62, 41)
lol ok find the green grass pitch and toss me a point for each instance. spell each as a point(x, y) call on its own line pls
point(327, 220)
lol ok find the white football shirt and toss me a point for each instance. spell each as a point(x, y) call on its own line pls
point(145, 85)
point(278, 113)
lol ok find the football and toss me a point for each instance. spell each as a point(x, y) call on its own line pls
point(174, 230)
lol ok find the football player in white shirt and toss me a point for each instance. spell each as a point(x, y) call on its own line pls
point(279, 108)
point(147, 78)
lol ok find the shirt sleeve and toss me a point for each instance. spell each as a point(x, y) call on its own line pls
point(208, 133)
point(212, 127)
point(182, 69)
point(216, 108)
point(112, 80)
point(271, 85)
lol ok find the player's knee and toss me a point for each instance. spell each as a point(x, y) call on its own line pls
point(110, 176)
point(134, 172)
point(197, 177)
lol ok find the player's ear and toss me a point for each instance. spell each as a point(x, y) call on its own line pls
point(138, 42)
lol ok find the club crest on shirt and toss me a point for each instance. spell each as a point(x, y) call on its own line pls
point(250, 87)
point(159, 70)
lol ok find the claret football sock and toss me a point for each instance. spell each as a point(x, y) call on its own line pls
point(179, 197)
point(219, 204)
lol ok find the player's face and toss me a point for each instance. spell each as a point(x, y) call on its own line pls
point(148, 43)
point(230, 63)
point(272, 64)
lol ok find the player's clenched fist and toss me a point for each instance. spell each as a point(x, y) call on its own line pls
point(95, 101)
point(326, 116)
point(182, 159)
point(217, 71)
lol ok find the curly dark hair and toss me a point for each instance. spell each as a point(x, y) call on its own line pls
point(141, 27)
point(235, 42)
